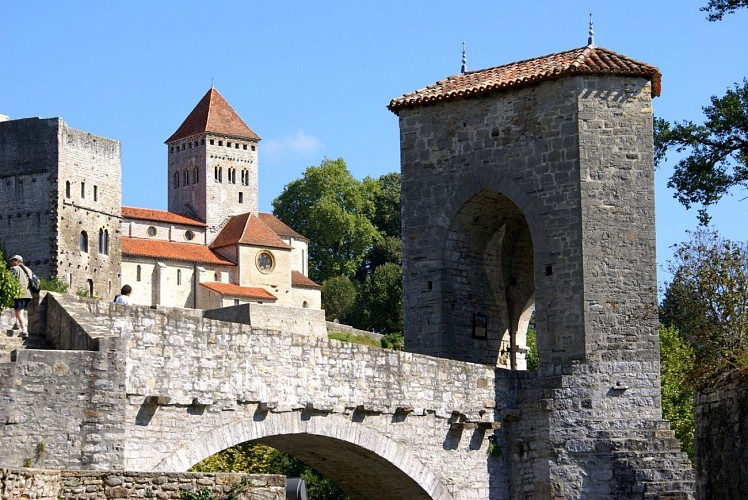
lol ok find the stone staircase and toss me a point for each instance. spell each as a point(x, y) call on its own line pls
point(10, 342)
point(647, 461)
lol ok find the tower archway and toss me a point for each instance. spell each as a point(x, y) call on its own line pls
point(488, 260)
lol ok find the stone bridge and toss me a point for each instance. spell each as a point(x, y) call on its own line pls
point(161, 389)
point(143, 389)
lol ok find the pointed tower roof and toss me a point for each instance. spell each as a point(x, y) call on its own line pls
point(589, 60)
point(215, 115)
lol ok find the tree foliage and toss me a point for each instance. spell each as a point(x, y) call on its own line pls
point(707, 301)
point(255, 458)
point(717, 151)
point(380, 301)
point(355, 248)
point(333, 210)
point(339, 298)
point(716, 9)
point(9, 287)
point(676, 362)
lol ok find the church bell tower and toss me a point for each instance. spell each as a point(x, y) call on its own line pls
point(213, 164)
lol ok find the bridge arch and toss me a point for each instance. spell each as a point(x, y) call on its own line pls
point(332, 444)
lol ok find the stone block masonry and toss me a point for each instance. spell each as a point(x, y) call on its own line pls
point(61, 190)
point(161, 389)
point(721, 437)
point(40, 484)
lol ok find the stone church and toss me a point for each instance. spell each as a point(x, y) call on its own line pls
point(62, 210)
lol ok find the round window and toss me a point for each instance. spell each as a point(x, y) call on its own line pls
point(189, 235)
point(265, 262)
point(151, 231)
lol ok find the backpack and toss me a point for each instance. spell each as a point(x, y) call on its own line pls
point(34, 285)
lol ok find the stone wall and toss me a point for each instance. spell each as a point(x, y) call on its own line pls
point(531, 196)
point(91, 166)
point(167, 388)
point(28, 177)
point(211, 199)
point(42, 484)
point(721, 438)
point(71, 183)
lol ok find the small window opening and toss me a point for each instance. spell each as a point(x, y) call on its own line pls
point(83, 241)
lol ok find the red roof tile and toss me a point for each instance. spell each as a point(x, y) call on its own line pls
point(588, 60)
point(299, 280)
point(170, 250)
point(213, 114)
point(248, 229)
point(159, 216)
point(278, 226)
point(249, 292)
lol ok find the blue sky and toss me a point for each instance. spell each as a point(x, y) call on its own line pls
point(312, 79)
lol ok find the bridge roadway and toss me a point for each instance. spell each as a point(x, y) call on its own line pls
point(161, 389)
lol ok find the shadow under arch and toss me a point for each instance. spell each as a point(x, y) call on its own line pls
point(488, 263)
point(363, 462)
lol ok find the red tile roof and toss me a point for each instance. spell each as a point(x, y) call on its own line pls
point(213, 115)
point(159, 216)
point(298, 280)
point(278, 226)
point(588, 60)
point(248, 229)
point(170, 250)
point(249, 292)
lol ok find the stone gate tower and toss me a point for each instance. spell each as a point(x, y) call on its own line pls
point(530, 187)
point(213, 163)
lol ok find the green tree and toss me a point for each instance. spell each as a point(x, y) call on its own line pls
point(338, 298)
point(380, 304)
point(334, 210)
point(707, 301)
point(256, 458)
point(9, 287)
point(387, 205)
point(717, 158)
point(716, 9)
point(676, 362)
point(533, 359)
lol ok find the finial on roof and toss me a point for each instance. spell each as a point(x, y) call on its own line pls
point(212, 84)
point(463, 69)
point(591, 38)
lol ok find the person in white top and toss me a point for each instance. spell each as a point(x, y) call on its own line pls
point(124, 296)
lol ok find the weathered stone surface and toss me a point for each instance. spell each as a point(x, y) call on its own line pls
point(721, 438)
point(40, 484)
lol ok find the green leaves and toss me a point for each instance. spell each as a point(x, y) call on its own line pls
point(717, 150)
point(355, 250)
point(9, 287)
point(676, 362)
point(707, 302)
point(716, 9)
point(334, 210)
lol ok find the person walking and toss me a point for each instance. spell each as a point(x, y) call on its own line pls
point(23, 274)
